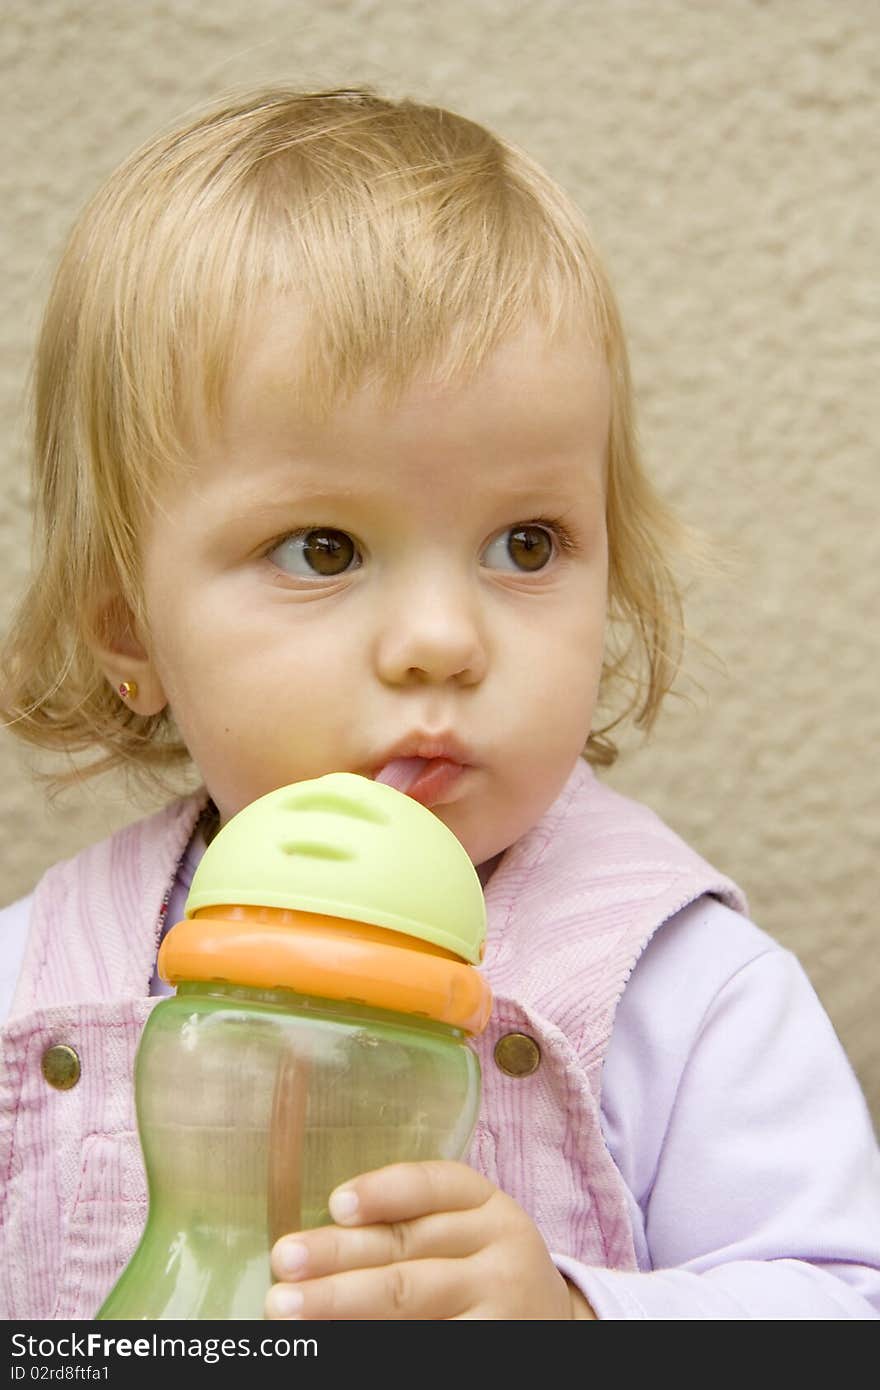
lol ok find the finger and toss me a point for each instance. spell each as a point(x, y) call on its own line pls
point(405, 1191)
point(418, 1289)
point(331, 1249)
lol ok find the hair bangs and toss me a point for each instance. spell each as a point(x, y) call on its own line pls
point(404, 244)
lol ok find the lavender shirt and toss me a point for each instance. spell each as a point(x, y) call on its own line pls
point(734, 1117)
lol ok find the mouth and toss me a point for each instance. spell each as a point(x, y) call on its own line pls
point(428, 770)
point(428, 780)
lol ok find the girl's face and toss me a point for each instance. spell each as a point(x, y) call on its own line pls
point(430, 577)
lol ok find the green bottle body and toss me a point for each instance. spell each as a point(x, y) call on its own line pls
point(252, 1106)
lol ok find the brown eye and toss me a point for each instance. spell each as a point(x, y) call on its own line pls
point(323, 551)
point(328, 552)
point(529, 547)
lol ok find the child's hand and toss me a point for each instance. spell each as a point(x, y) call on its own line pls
point(420, 1240)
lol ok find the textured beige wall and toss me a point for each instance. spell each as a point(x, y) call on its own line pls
point(726, 157)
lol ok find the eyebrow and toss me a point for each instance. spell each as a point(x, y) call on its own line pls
point(353, 485)
point(543, 477)
point(535, 495)
point(257, 502)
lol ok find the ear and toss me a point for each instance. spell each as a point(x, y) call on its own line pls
point(122, 653)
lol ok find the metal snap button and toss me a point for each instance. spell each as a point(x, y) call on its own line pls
point(61, 1066)
point(516, 1054)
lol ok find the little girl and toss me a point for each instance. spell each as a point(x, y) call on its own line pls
point(336, 470)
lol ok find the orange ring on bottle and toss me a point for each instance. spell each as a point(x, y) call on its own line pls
point(332, 958)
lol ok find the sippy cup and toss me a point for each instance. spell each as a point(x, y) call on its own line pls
point(325, 993)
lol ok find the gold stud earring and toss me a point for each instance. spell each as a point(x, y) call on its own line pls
point(128, 690)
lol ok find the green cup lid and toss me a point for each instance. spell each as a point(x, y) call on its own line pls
point(344, 846)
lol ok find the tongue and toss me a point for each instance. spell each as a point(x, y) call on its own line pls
point(401, 773)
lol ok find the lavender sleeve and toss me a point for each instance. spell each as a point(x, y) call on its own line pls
point(742, 1135)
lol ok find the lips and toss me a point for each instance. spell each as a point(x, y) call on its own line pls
point(425, 769)
point(427, 780)
point(401, 773)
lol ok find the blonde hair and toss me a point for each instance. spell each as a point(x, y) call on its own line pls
point(411, 238)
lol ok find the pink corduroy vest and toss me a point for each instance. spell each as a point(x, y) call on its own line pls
point(571, 906)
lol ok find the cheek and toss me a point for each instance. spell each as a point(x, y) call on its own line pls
point(574, 641)
point(571, 676)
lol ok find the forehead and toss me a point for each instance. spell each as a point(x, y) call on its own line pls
point(542, 383)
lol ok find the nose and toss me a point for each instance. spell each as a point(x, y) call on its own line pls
point(432, 632)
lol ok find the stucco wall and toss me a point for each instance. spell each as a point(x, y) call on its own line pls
point(726, 157)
